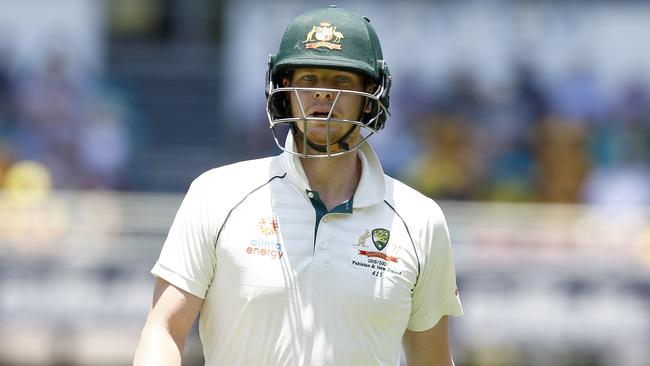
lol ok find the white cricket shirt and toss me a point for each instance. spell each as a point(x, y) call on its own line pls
point(286, 283)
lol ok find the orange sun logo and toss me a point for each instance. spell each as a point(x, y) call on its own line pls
point(268, 226)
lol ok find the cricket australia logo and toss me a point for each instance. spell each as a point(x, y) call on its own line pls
point(323, 34)
point(377, 263)
point(380, 238)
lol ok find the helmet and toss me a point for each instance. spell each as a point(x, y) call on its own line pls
point(328, 38)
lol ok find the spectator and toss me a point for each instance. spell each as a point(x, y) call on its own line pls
point(622, 150)
point(49, 119)
point(563, 160)
point(448, 167)
point(103, 144)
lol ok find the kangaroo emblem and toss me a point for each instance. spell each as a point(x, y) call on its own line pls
point(320, 36)
point(363, 238)
point(310, 35)
point(337, 35)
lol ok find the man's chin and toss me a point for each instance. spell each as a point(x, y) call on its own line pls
point(318, 134)
point(321, 124)
point(320, 140)
point(323, 142)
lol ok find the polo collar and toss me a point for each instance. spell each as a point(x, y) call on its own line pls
point(371, 189)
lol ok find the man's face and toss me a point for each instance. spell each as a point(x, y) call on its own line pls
point(318, 103)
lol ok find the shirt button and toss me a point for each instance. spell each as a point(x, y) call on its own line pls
point(310, 195)
point(323, 245)
point(324, 219)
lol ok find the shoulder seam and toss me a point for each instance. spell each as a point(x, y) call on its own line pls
point(240, 202)
point(415, 250)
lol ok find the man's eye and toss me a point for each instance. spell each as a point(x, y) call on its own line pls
point(342, 79)
point(309, 78)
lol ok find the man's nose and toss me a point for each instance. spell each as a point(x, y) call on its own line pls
point(323, 94)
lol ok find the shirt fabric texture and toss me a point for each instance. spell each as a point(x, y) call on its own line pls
point(281, 289)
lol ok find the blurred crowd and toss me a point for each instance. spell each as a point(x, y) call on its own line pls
point(60, 127)
point(570, 140)
point(566, 140)
point(530, 136)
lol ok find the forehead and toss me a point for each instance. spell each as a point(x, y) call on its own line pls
point(325, 72)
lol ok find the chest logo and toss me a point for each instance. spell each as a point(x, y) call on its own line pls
point(380, 238)
point(324, 33)
point(362, 239)
point(378, 262)
point(268, 226)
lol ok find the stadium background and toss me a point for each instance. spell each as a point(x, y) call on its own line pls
point(529, 121)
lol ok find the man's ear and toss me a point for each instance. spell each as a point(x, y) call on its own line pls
point(368, 108)
point(285, 82)
point(370, 89)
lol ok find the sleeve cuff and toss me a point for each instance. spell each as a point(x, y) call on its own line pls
point(192, 286)
point(426, 323)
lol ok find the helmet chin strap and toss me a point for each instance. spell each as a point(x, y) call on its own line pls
point(342, 142)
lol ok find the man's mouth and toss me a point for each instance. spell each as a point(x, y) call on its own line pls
point(319, 114)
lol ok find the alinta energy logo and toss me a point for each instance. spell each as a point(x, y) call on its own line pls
point(268, 226)
point(267, 245)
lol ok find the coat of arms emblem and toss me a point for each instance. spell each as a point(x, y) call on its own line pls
point(324, 33)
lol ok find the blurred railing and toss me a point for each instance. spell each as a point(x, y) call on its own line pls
point(540, 284)
point(552, 284)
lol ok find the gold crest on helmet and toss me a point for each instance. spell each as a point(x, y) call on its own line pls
point(324, 33)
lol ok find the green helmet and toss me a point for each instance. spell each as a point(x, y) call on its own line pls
point(329, 38)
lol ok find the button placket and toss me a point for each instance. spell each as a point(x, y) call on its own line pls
point(322, 246)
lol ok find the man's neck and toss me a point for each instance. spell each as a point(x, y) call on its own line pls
point(335, 178)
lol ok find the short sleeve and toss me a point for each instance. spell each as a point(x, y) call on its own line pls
point(187, 258)
point(435, 294)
